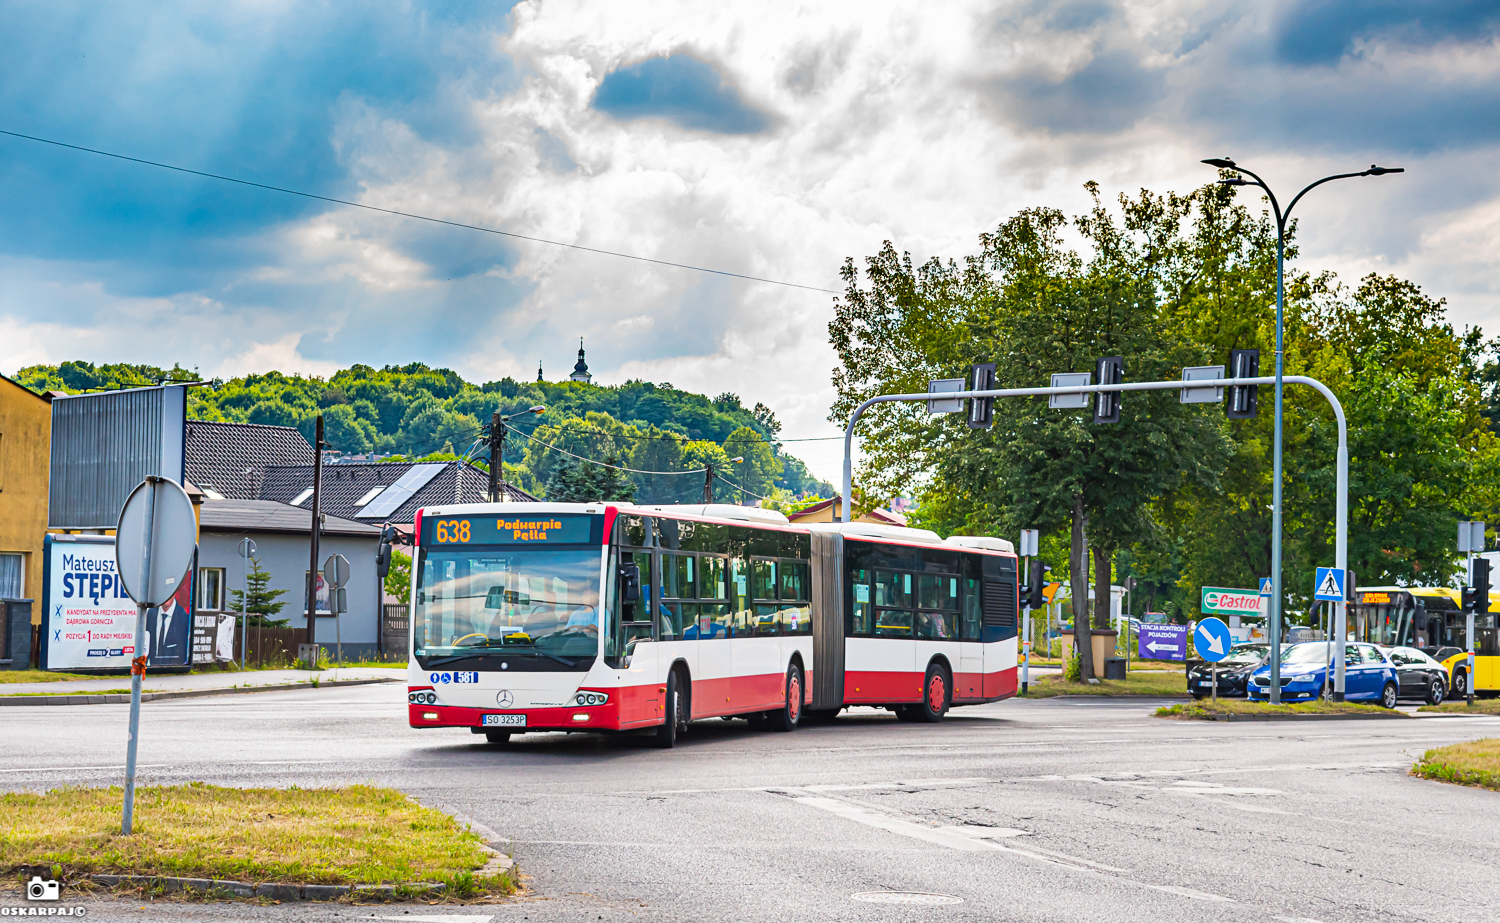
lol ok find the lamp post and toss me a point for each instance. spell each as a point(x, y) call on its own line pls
point(498, 429)
point(708, 478)
point(1282, 217)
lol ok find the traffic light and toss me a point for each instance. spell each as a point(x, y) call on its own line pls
point(1108, 371)
point(1035, 598)
point(1480, 603)
point(1243, 399)
point(982, 409)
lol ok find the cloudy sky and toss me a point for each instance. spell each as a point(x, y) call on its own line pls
point(764, 139)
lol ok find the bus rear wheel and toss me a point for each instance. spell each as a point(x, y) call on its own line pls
point(789, 714)
point(934, 695)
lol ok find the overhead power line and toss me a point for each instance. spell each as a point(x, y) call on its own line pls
point(402, 214)
point(605, 464)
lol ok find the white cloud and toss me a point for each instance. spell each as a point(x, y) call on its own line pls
point(923, 125)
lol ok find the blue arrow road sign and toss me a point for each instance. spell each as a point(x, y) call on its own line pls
point(1329, 584)
point(1265, 586)
point(1163, 642)
point(1211, 639)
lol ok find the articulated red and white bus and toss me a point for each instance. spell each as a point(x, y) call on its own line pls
point(615, 617)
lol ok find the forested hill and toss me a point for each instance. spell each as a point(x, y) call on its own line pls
point(414, 411)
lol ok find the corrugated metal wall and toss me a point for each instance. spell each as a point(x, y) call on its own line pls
point(103, 445)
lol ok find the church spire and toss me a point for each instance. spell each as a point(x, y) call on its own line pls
point(581, 370)
point(539, 371)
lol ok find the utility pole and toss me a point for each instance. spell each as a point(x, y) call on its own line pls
point(708, 484)
point(499, 429)
point(312, 567)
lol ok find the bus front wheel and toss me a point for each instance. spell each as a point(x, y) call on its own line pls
point(675, 717)
point(497, 737)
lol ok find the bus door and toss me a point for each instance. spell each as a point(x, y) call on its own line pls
point(1001, 605)
point(969, 683)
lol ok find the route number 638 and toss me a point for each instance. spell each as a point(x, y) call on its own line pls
point(452, 530)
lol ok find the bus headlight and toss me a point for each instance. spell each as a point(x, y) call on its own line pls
point(422, 698)
point(591, 698)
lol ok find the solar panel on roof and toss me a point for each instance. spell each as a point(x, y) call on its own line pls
point(398, 493)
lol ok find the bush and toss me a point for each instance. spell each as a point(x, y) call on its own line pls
point(1073, 669)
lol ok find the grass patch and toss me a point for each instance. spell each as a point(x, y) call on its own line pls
point(1476, 763)
point(1142, 683)
point(1207, 709)
point(359, 834)
point(40, 676)
point(289, 665)
point(1460, 707)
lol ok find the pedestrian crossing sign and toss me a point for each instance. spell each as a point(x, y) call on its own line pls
point(1329, 584)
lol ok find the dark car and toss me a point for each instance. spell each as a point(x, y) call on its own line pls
point(1234, 672)
point(1420, 676)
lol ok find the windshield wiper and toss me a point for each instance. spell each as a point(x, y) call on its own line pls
point(490, 649)
point(457, 657)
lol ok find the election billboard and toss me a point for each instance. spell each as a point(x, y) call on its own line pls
point(89, 619)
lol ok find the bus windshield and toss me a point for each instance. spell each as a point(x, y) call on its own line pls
point(518, 603)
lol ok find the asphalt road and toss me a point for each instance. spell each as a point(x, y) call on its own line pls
point(1046, 810)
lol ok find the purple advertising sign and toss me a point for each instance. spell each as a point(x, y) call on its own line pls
point(1163, 642)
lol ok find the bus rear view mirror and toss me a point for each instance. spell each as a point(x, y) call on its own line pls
point(499, 597)
point(630, 582)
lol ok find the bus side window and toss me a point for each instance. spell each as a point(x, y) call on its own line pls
point(863, 611)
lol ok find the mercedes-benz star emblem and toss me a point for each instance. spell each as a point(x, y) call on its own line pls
point(504, 699)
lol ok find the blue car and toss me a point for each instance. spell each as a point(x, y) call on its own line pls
point(1369, 676)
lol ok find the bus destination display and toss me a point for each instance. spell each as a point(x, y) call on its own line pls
point(508, 530)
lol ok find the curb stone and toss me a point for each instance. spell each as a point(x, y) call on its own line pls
point(124, 699)
point(1309, 717)
point(269, 890)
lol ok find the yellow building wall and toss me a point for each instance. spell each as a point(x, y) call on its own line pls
point(25, 446)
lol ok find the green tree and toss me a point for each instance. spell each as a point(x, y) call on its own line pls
point(1032, 306)
point(761, 468)
point(398, 577)
point(258, 601)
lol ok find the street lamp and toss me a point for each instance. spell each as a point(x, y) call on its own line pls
point(708, 478)
point(498, 431)
point(1274, 613)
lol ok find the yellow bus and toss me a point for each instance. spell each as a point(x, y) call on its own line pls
point(1431, 619)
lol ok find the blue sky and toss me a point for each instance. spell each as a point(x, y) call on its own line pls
point(766, 142)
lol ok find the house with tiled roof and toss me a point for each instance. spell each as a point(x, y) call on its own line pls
point(832, 509)
point(228, 460)
point(385, 491)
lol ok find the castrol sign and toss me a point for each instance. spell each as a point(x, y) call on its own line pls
point(1222, 601)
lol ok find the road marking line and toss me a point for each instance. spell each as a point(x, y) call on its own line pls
point(444, 918)
point(1188, 892)
point(937, 835)
point(981, 839)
